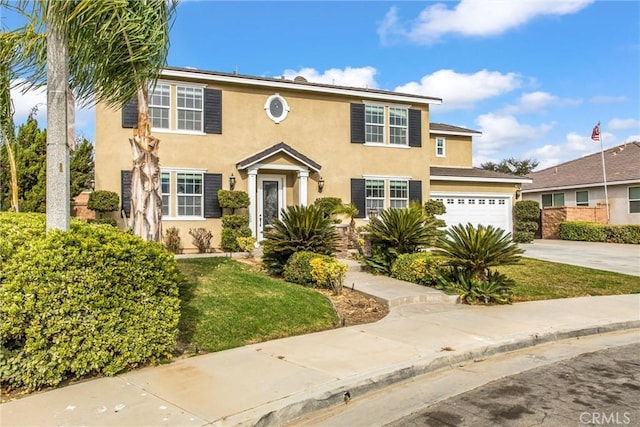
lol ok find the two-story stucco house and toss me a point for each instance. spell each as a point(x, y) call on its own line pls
point(289, 142)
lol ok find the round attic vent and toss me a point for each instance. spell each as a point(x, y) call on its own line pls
point(300, 79)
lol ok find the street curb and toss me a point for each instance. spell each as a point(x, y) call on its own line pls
point(300, 404)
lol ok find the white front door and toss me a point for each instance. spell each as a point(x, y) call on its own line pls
point(271, 200)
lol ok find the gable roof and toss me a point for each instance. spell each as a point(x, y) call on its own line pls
point(473, 174)
point(278, 148)
point(445, 129)
point(297, 85)
point(622, 164)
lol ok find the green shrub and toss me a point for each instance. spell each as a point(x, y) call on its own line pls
point(298, 270)
point(433, 208)
point(235, 221)
point(172, 240)
point(327, 272)
point(17, 230)
point(233, 199)
point(582, 231)
point(246, 244)
point(395, 232)
point(523, 236)
point(103, 201)
point(302, 228)
point(201, 239)
point(91, 301)
point(229, 238)
point(420, 267)
point(594, 232)
point(109, 221)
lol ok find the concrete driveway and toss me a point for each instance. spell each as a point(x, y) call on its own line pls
point(619, 258)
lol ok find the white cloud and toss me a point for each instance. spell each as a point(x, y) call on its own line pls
point(605, 99)
point(350, 76)
point(574, 146)
point(23, 103)
point(500, 133)
point(537, 102)
point(620, 124)
point(462, 91)
point(472, 18)
point(632, 138)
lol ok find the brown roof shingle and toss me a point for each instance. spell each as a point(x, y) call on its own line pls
point(622, 164)
point(442, 127)
point(473, 173)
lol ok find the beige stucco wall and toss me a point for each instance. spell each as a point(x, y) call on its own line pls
point(318, 126)
point(458, 151)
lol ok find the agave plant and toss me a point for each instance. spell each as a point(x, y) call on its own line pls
point(302, 228)
point(478, 249)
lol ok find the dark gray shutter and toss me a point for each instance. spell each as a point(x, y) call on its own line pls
point(358, 196)
point(357, 123)
point(415, 128)
point(212, 183)
point(415, 191)
point(212, 111)
point(130, 114)
point(125, 191)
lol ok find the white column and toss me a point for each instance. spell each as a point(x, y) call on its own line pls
point(302, 187)
point(253, 175)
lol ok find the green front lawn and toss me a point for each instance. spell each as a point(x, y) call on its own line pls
point(538, 280)
point(225, 304)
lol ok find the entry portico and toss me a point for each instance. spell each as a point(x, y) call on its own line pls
point(271, 174)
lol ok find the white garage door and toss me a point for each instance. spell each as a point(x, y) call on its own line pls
point(477, 209)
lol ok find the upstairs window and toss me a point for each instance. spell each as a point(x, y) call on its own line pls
point(189, 109)
point(398, 126)
point(582, 198)
point(440, 147)
point(160, 106)
point(374, 124)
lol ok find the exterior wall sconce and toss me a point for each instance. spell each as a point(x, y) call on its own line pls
point(320, 184)
point(518, 191)
point(232, 182)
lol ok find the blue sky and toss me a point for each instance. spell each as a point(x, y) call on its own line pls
point(533, 76)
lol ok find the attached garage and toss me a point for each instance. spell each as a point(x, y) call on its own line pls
point(484, 209)
point(476, 196)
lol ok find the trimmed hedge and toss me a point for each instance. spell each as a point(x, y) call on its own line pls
point(90, 301)
point(312, 269)
point(420, 267)
point(594, 232)
point(103, 201)
point(526, 214)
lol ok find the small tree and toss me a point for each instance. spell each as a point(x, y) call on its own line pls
point(433, 208)
point(103, 201)
point(234, 225)
point(512, 166)
point(526, 214)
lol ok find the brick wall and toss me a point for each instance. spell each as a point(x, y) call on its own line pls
point(553, 216)
point(79, 206)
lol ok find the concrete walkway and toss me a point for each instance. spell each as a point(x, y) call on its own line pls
point(277, 381)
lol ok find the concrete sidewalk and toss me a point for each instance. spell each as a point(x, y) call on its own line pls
point(277, 381)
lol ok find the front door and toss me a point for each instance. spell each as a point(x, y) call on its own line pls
point(271, 199)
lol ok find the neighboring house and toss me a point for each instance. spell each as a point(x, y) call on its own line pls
point(289, 142)
point(580, 183)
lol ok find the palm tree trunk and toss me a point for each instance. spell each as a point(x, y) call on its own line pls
point(58, 178)
point(8, 131)
point(146, 199)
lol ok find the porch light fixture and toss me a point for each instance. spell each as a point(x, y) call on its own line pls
point(518, 191)
point(232, 182)
point(320, 184)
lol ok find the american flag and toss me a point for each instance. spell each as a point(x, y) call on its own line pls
point(595, 135)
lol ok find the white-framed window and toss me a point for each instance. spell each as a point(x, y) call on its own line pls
point(492, 201)
point(398, 194)
point(501, 201)
point(160, 106)
point(398, 125)
point(450, 201)
point(440, 147)
point(481, 201)
point(582, 198)
point(189, 193)
point(374, 196)
point(189, 108)
point(634, 199)
point(374, 124)
point(165, 184)
point(471, 201)
point(552, 199)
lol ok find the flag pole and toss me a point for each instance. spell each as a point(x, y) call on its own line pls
point(604, 173)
